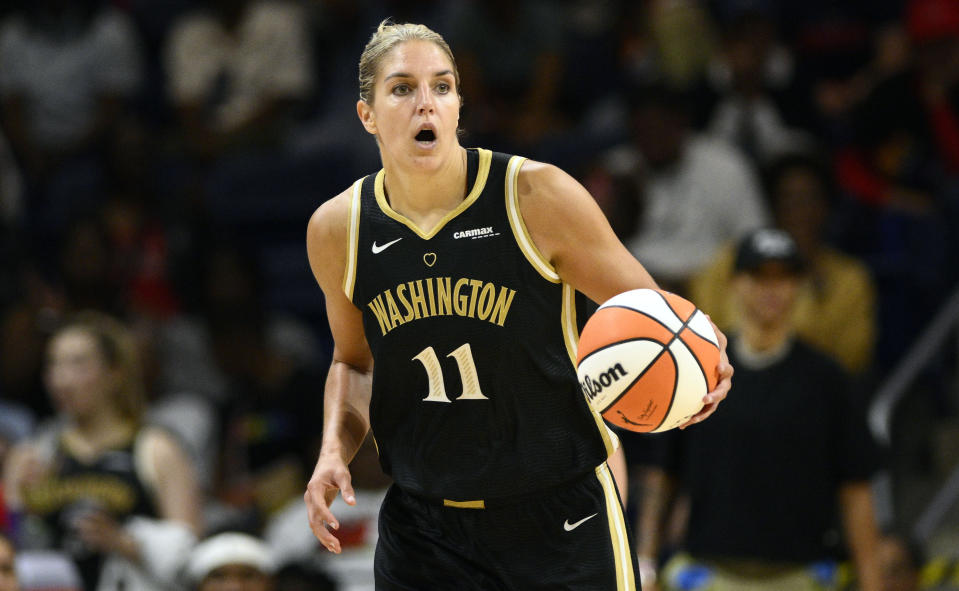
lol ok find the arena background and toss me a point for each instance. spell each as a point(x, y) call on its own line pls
point(159, 160)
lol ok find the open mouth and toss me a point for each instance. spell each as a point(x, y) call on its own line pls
point(426, 135)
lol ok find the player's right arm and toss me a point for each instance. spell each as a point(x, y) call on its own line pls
point(346, 404)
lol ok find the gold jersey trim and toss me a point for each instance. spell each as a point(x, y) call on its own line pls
point(568, 318)
point(571, 338)
point(352, 240)
point(625, 579)
point(482, 173)
point(520, 232)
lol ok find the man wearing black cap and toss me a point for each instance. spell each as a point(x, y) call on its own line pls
point(764, 477)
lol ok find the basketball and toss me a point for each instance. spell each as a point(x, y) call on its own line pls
point(646, 359)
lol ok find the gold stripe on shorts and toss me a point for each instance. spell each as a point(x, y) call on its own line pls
point(625, 581)
point(478, 504)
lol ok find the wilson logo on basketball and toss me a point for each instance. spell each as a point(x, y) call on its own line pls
point(593, 386)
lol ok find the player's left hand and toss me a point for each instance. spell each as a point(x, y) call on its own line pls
point(725, 371)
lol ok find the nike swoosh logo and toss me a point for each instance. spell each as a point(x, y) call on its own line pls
point(378, 249)
point(571, 526)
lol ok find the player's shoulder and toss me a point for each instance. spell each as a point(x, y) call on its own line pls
point(544, 180)
point(329, 220)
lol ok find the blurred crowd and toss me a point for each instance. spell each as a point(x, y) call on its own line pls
point(159, 160)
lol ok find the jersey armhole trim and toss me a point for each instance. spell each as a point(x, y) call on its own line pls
point(352, 241)
point(568, 319)
point(520, 232)
point(571, 339)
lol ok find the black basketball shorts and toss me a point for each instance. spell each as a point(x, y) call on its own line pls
point(574, 537)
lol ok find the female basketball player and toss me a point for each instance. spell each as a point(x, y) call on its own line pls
point(450, 280)
point(120, 498)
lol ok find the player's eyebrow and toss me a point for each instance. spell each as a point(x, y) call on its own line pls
point(408, 75)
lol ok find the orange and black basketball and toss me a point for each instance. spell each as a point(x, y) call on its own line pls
point(646, 360)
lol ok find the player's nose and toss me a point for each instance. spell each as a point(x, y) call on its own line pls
point(424, 99)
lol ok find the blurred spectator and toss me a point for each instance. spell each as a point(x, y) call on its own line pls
point(118, 496)
point(268, 432)
point(843, 48)
point(16, 423)
point(835, 307)
point(231, 562)
point(87, 277)
point(66, 68)
point(235, 561)
point(508, 55)
point(303, 577)
point(8, 574)
point(187, 414)
point(697, 193)
point(235, 69)
point(11, 187)
point(24, 326)
point(590, 55)
point(45, 570)
point(261, 370)
point(685, 39)
point(669, 41)
point(113, 262)
point(612, 181)
point(905, 566)
point(340, 30)
point(842, 52)
point(901, 561)
point(756, 106)
point(765, 477)
point(900, 168)
point(907, 129)
point(227, 283)
point(139, 224)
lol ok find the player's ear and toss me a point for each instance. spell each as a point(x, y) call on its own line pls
point(365, 112)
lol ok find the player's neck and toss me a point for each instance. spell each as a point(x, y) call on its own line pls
point(415, 193)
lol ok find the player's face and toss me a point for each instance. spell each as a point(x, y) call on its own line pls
point(77, 376)
point(416, 105)
point(767, 294)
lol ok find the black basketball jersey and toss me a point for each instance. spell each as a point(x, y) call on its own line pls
point(109, 483)
point(474, 336)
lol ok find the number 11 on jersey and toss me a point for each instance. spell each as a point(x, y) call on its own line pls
point(464, 360)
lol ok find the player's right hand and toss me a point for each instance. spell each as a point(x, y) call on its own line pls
point(329, 476)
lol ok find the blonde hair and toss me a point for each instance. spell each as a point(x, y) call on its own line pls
point(117, 348)
point(387, 36)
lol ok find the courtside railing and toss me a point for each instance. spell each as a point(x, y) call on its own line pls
point(884, 406)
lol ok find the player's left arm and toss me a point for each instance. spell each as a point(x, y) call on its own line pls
point(571, 232)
